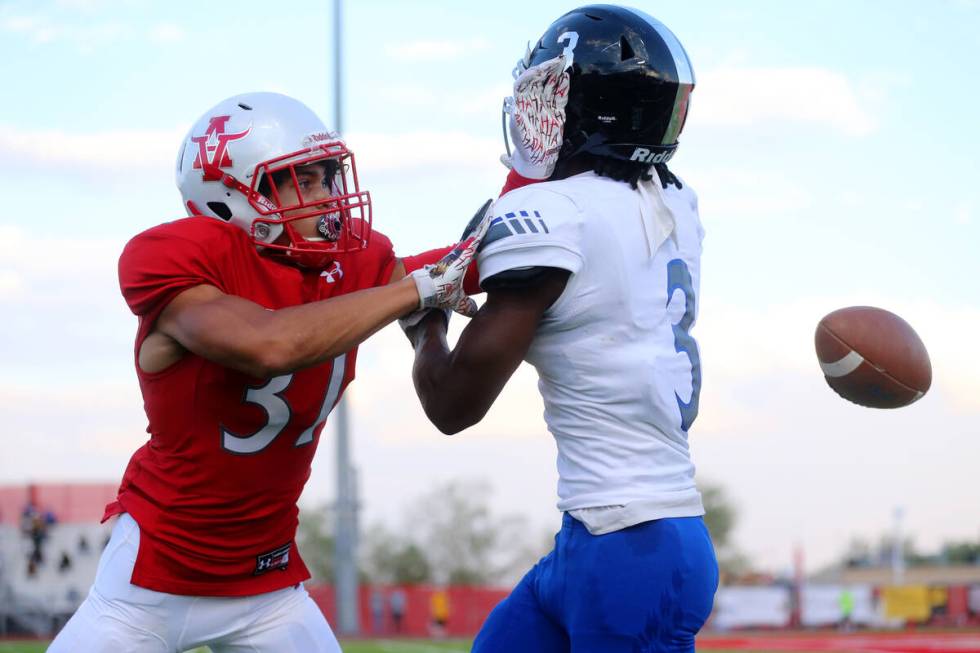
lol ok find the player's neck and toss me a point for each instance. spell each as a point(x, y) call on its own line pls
point(570, 168)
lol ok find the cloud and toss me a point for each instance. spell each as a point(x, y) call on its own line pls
point(37, 29)
point(963, 213)
point(83, 6)
point(735, 96)
point(41, 30)
point(387, 359)
point(22, 23)
point(11, 284)
point(165, 33)
point(767, 421)
point(468, 102)
point(138, 151)
point(431, 50)
point(61, 275)
point(748, 344)
point(425, 150)
point(71, 430)
point(735, 192)
point(73, 23)
point(88, 152)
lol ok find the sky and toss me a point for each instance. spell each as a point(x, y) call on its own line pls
point(833, 147)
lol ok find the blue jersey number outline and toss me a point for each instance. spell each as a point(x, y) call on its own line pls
point(679, 278)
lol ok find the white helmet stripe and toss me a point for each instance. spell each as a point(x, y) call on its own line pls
point(685, 74)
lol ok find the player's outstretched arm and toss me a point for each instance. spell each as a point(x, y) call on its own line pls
point(244, 336)
point(458, 387)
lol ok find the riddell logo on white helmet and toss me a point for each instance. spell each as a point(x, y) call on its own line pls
point(320, 137)
point(644, 155)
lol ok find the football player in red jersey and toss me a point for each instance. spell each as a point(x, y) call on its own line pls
point(250, 314)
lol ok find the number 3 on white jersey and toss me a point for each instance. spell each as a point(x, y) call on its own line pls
point(679, 278)
point(269, 397)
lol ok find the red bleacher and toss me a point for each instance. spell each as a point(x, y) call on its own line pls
point(468, 608)
point(70, 503)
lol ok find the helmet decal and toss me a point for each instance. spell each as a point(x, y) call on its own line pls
point(213, 153)
point(320, 137)
point(570, 39)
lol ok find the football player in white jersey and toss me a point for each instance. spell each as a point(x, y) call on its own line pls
point(592, 277)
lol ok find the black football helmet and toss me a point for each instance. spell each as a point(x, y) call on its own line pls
point(630, 82)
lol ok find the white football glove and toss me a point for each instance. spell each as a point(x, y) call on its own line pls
point(537, 118)
point(441, 285)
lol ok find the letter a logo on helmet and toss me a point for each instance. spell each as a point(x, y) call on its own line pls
point(213, 153)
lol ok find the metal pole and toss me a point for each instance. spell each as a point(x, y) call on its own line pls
point(338, 81)
point(345, 542)
point(898, 550)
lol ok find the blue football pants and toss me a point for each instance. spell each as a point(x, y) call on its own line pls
point(644, 589)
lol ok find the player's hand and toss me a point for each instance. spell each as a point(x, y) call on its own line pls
point(537, 118)
point(412, 323)
point(441, 285)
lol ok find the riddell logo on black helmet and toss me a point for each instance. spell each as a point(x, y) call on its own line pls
point(644, 155)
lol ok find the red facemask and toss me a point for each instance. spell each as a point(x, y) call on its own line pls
point(344, 217)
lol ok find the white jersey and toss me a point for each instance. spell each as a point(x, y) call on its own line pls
point(618, 369)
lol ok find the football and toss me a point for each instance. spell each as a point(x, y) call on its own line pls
point(872, 357)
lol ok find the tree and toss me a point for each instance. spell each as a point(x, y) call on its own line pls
point(315, 540)
point(861, 553)
point(391, 559)
point(858, 553)
point(457, 532)
point(451, 536)
point(961, 553)
point(720, 516)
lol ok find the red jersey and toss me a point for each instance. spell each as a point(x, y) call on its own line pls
point(214, 490)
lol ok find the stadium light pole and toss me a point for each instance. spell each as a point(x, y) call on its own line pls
point(345, 539)
point(898, 549)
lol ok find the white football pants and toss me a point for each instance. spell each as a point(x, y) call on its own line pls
point(119, 617)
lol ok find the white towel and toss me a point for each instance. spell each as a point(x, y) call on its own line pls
point(658, 220)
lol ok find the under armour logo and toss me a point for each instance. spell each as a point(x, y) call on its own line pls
point(213, 152)
point(275, 559)
point(329, 275)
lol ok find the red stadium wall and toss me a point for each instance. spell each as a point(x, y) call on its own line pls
point(468, 608)
point(68, 502)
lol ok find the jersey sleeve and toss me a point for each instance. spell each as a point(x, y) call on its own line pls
point(160, 263)
point(382, 256)
point(532, 227)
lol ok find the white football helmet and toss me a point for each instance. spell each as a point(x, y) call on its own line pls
point(232, 157)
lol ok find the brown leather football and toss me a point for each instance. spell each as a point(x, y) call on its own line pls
point(872, 357)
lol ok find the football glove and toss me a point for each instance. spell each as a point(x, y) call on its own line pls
point(441, 285)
